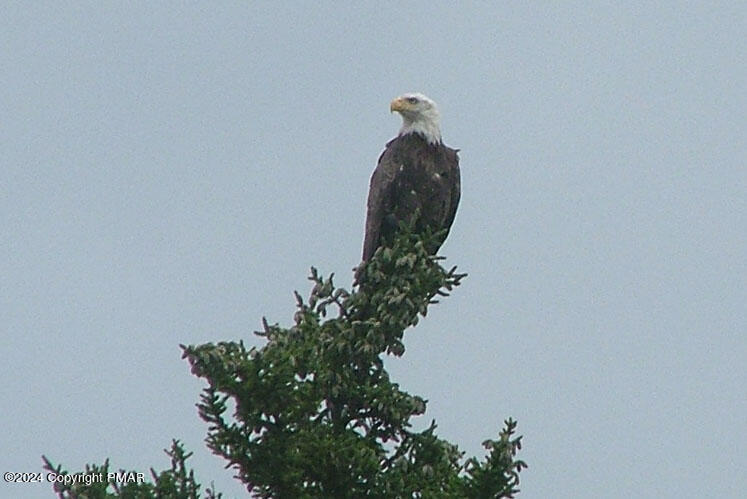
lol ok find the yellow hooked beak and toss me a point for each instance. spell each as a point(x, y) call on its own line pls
point(399, 104)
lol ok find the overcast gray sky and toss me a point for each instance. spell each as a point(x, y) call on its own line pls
point(170, 171)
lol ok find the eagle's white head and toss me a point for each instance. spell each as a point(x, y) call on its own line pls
point(419, 115)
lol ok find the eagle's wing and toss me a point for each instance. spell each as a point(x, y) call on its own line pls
point(380, 192)
point(456, 188)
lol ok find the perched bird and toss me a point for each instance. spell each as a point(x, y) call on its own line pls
point(416, 179)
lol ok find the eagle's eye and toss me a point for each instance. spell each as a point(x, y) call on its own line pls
point(412, 100)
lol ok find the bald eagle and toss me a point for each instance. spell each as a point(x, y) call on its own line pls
point(416, 180)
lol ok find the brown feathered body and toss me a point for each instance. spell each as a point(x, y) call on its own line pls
point(415, 182)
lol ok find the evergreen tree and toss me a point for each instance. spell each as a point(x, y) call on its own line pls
point(314, 414)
